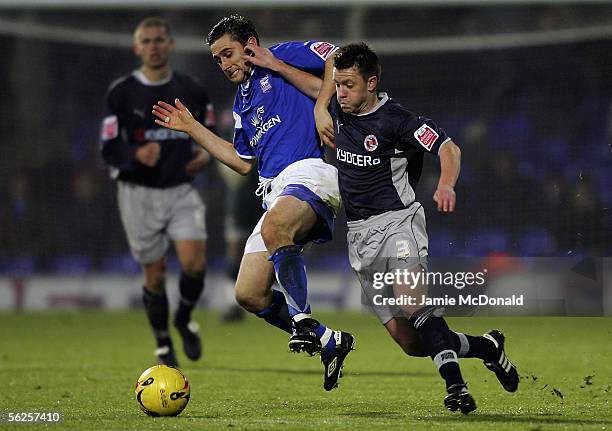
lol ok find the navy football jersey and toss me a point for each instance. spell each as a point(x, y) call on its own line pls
point(129, 124)
point(274, 121)
point(380, 156)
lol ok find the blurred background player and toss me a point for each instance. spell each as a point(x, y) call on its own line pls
point(243, 209)
point(154, 169)
point(274, 126)
point(380, 142)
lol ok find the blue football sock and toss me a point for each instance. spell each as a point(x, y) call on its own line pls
point(291, 275)
point(277, 313)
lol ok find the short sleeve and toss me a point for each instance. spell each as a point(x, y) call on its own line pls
point(241, 141)
point(208, 111)
point(310, 56)
point(421, 132)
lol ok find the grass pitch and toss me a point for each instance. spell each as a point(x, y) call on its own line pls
point(85, 365)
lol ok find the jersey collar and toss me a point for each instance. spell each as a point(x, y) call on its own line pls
point(382, 99)
point(140, 77)
point(246, 85)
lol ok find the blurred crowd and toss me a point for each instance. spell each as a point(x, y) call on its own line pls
point(534, 125)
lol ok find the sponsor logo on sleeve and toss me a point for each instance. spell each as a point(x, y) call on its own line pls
point(323, 49)
point(426, 136)
point(370, 143)
point(210, 115)
point(110, 128)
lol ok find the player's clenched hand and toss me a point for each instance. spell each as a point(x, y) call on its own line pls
point(445, 198)
point(148, 154)
point(174, 117)
point(325, 126)
point(196, 164)
point(262, 57)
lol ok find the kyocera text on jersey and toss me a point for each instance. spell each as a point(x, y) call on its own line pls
point(360, 160)
point(158, 134)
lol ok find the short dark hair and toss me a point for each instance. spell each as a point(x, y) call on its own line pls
point(154, 21)
point(360, 56)
point(238, 27)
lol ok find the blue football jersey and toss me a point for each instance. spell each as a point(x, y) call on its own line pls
point(274, 121)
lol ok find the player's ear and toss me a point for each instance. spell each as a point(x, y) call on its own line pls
point(372, 83)
point(252, 41)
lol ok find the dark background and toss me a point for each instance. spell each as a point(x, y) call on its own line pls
point(533, 121)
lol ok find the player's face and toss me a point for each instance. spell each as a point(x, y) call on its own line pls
point(228, 54)
point(353, 92)
point(153, 46)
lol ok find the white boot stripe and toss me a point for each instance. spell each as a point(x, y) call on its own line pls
point(491, 339)
point(420, 320)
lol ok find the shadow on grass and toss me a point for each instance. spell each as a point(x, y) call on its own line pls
point(317, 372)
point(544, 419)
point(379, 415)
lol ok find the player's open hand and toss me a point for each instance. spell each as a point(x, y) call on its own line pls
point(174, 117)
point(262, 57)
point(445, 198)
point(325, 126)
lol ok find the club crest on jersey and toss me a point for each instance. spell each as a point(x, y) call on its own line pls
point(426, 136)
point(265, 84)
point(370, 143)
point(322, 49)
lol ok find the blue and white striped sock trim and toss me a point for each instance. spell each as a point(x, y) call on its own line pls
point(301, 316)
point(326, 337)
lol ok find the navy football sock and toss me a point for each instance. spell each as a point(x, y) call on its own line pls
point(469, 346)
point(156, 307)
point(291, 275)
point(439, 341)
point(277, 313)
point(190, 289)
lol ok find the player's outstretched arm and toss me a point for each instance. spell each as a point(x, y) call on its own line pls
point(450, 165)
point(179, 118)
point(303, 81)
point(325, 125)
